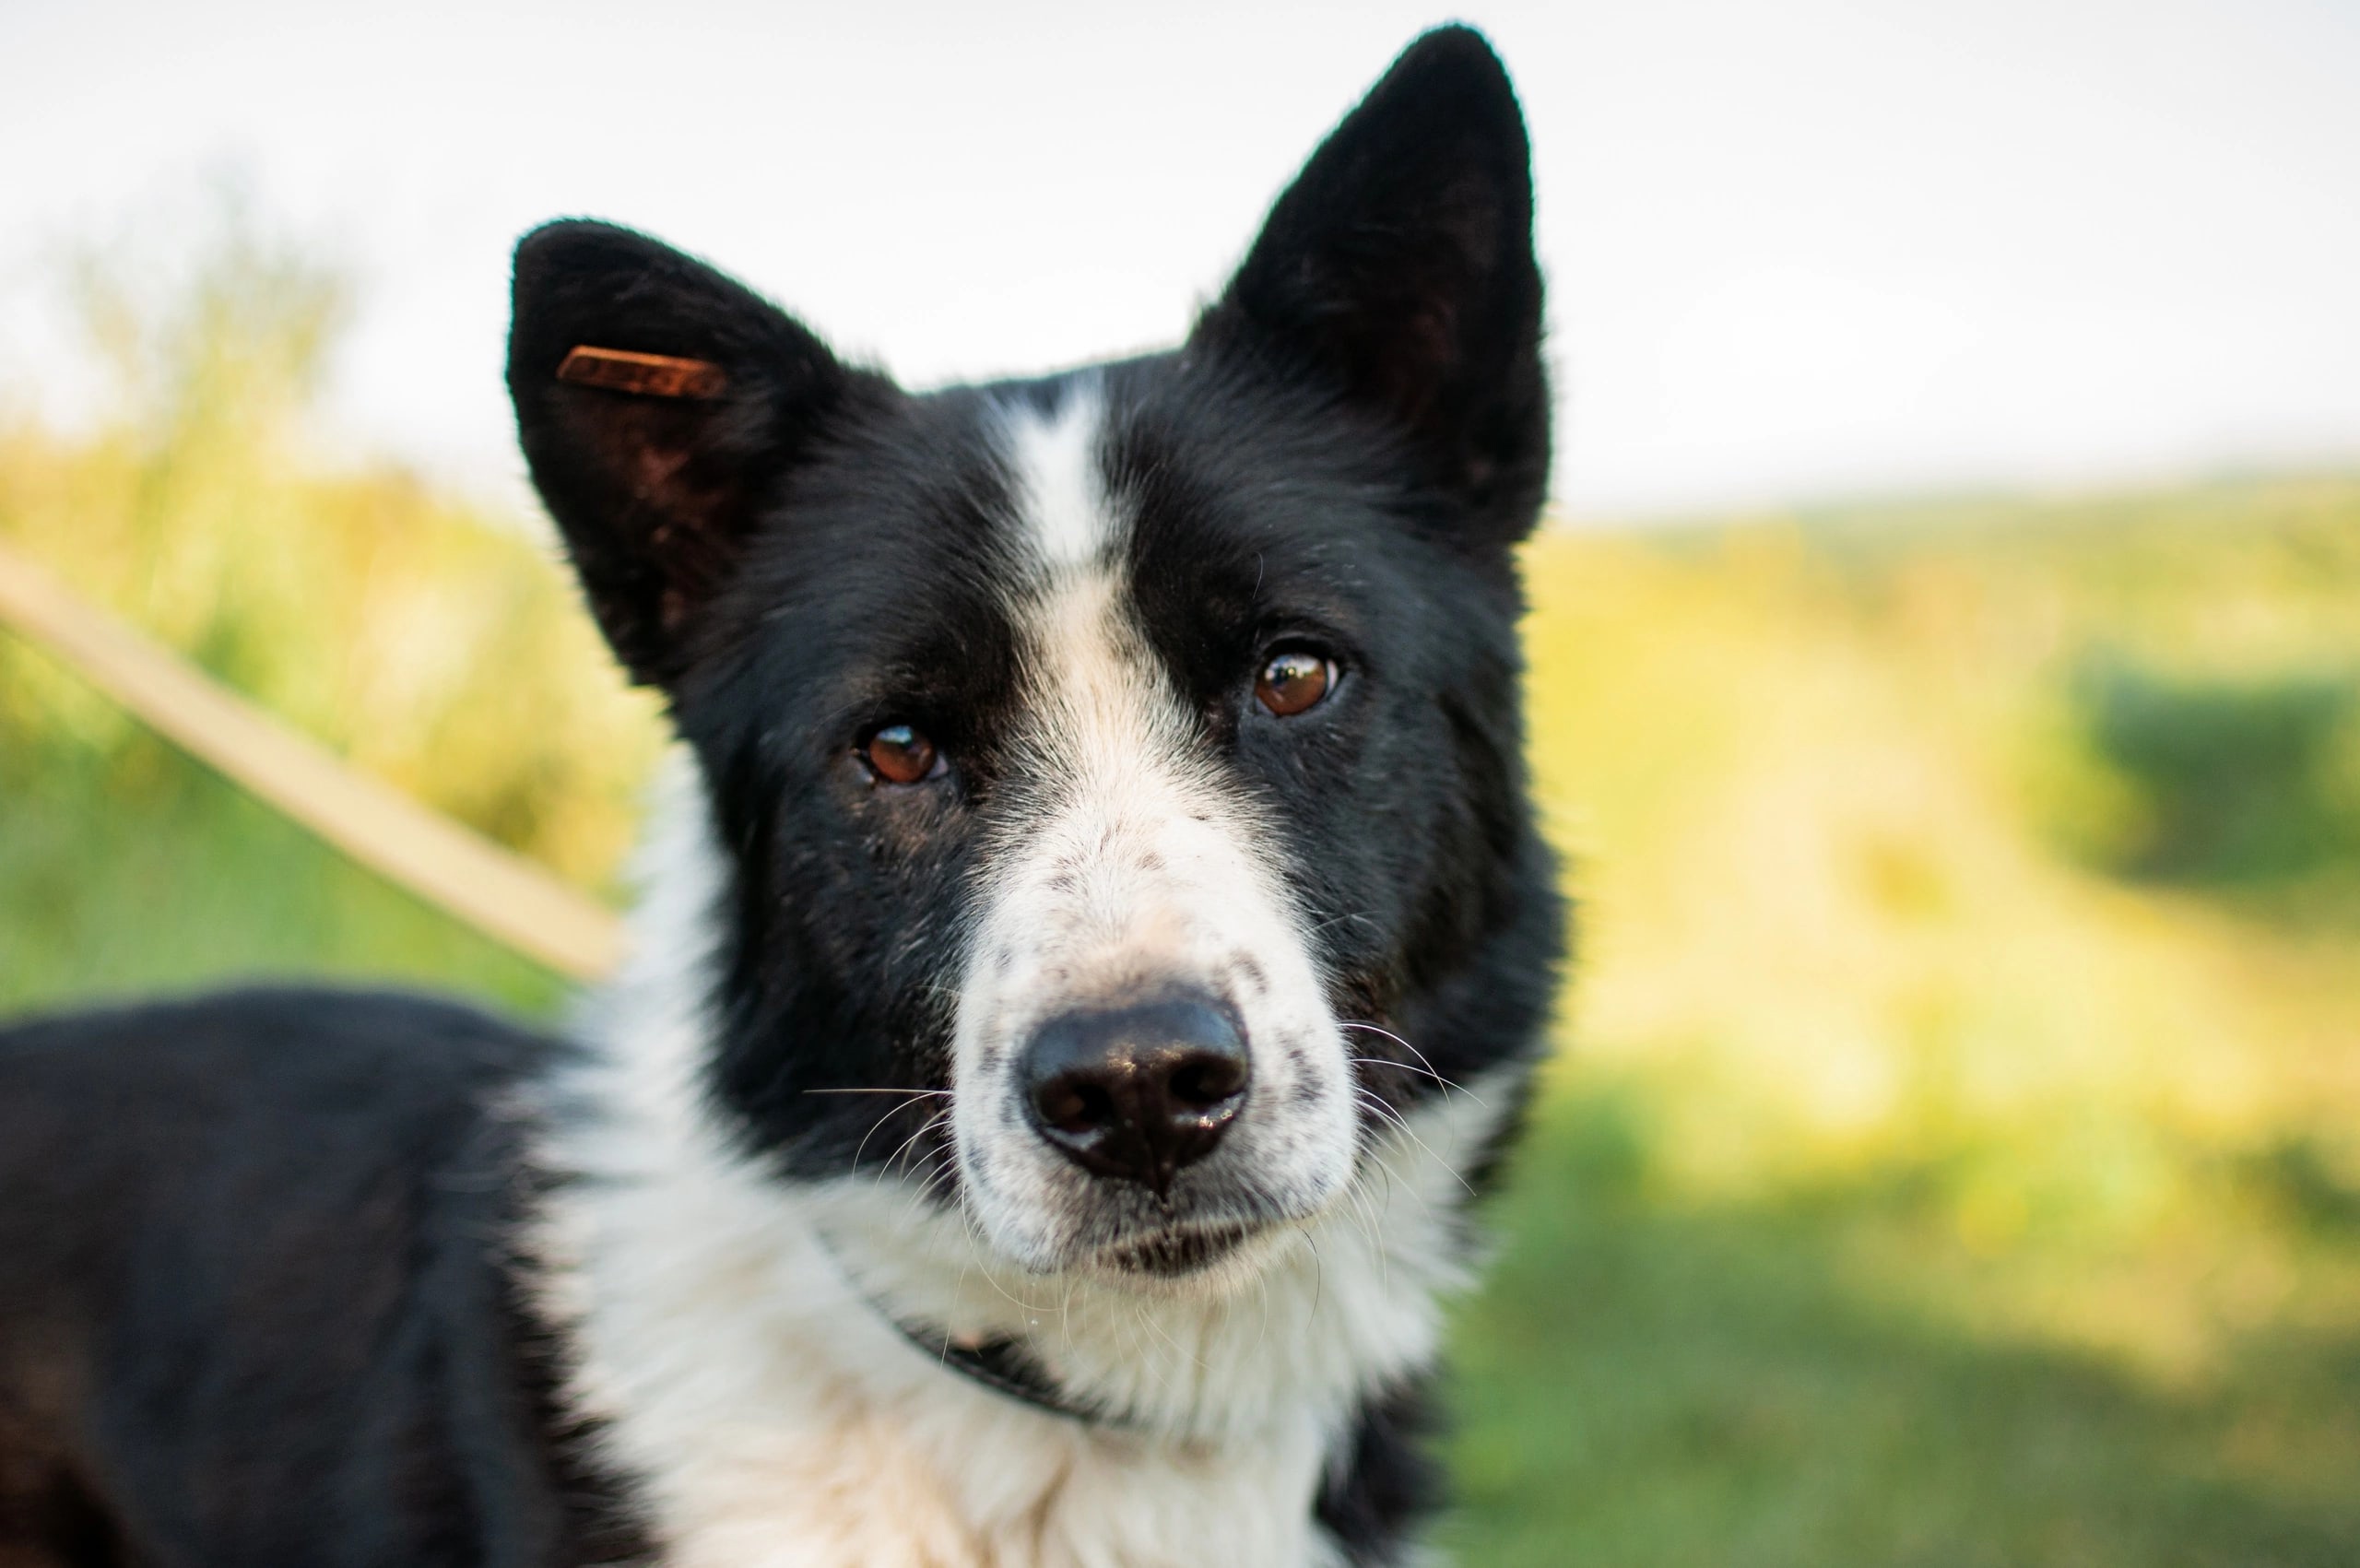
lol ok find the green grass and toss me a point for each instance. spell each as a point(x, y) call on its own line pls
point(142, 872)
point(1660, 1383)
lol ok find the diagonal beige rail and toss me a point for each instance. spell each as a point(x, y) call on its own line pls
point(503, 894)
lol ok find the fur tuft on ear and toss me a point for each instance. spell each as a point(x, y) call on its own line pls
point(684, 401)
point(1397, 270)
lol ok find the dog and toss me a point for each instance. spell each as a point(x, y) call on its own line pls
point(1094, 942)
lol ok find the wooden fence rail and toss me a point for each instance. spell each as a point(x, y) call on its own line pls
point(503, 894)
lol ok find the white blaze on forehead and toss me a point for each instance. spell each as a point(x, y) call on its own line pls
point(1061, 501)
point(1115, 791)
point(1102, 728)
point(1094, 695)
point(1126, 857)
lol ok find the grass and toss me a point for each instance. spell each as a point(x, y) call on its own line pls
point(1812, 1379)
point(1951, 1157)
point(142, 872)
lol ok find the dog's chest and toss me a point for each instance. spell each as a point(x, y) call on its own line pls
point(873, 1495)
point(769, 1419)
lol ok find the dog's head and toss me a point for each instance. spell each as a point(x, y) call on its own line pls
point(1111, 766)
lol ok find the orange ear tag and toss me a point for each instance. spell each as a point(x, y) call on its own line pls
point(649, 376)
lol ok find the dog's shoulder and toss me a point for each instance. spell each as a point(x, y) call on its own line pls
point(249, 1110)
point(266, 1044)
point(252, 1105)
point(259, 1246)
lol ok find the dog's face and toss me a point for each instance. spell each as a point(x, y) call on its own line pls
point(1114, 770)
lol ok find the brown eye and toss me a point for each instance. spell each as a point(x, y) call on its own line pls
point(1295, 681)
point(899, 754)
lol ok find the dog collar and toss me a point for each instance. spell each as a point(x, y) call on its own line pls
point(998, 1363)
point(1002, 1366)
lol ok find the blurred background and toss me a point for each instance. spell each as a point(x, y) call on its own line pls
point(1945, 645)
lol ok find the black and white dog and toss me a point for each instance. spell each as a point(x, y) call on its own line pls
point(1094, 942)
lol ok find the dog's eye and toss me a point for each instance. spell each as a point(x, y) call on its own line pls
point(1295, 681)
point(900, 754)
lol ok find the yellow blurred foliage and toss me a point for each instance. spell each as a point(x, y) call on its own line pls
point(435, 644)
point(1826, 793)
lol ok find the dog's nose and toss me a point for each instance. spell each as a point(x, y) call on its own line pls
point(1136, 1092)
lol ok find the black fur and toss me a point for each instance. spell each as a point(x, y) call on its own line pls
point(1383, 1482)
point(1399, 272)
point(257, 1300)
point(258, 1297)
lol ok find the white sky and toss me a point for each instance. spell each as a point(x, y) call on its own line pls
point(1797, 249)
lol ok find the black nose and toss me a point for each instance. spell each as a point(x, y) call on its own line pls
point(1136, 1092)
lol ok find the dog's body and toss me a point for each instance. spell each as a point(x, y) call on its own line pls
point(1093, 944)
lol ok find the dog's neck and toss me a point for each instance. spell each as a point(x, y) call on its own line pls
point(742, 1336)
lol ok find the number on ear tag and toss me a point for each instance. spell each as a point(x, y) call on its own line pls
point(648, 375)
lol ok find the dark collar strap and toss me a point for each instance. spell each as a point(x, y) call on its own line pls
point(1002, 1366)
point(998, 1364)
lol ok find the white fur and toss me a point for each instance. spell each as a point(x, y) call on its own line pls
point(731, 1331)
point(1125, 863)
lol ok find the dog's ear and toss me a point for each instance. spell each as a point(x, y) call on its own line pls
point(659, 404)
point(1398, 272)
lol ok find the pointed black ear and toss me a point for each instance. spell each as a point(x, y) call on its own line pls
point(1398, 271)
point(659, 404)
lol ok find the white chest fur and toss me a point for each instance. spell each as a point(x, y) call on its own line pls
point(732, 1339)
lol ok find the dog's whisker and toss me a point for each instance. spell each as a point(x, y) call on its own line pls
point(1392, 1116)
point(1411, 1187)
point(941, 1177)
point(1422, 1062)
point(1362, 1203)
point(937, 1120)
point(863, 1146)
point(1448, 1087)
